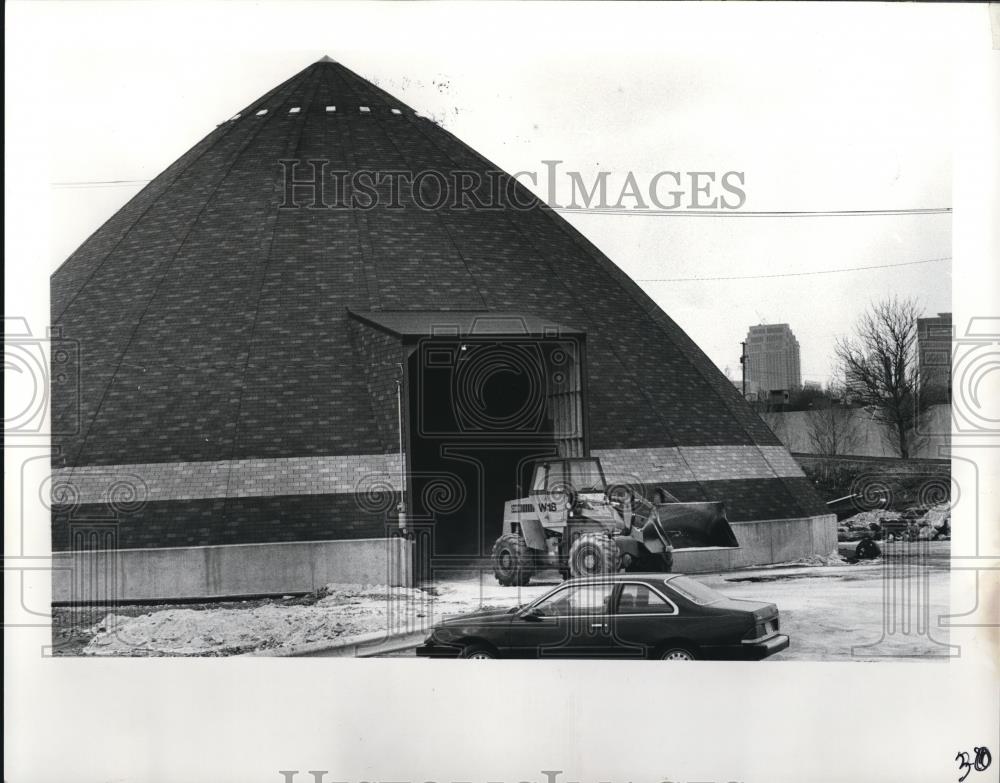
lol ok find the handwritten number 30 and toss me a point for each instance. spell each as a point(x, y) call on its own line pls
point(982, 761)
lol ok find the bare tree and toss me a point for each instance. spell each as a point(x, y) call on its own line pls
point(880, 368)
point(779, 426)
point(832, 430)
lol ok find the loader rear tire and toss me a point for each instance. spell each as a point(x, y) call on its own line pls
point(593, 554)
point(513, 560)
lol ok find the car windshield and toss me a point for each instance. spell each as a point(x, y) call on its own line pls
point(585, 476)
point(694, 591)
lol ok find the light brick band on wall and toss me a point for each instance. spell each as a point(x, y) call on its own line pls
point(698, 463)
point(334, 475)
point(360, 473)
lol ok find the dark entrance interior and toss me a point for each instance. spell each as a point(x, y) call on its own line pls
point(480, 411)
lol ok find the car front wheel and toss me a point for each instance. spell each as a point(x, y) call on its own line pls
point(674, 653)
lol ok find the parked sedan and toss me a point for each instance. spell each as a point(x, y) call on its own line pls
point(664, 616)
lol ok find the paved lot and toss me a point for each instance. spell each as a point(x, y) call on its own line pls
point(850, 612)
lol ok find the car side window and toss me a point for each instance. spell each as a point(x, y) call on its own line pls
point(587, 599)
point(640, 599)
point(591, 599)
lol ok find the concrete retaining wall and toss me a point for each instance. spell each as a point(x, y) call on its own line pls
point(762, 543)
point(865, 437)
point(182, 573)
point(226, 571)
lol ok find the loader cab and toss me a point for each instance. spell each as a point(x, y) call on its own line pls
point(581, 476)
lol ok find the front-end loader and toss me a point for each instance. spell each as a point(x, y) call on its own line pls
point(574, 522)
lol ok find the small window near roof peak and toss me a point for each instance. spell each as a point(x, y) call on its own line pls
point(396, 111)
point(295, 110)
point(262, 112)
point(365, 109)
point(331, 108)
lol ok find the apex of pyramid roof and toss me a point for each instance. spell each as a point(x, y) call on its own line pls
point(326, 59)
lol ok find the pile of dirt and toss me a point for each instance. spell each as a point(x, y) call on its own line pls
point(860, 525)
point(933, 523)
point(335, 612)
point(214, 632)
point(939, 516)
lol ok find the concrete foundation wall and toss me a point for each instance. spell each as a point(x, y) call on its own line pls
point(225, 571)
point(762, 543)
point(180, 573)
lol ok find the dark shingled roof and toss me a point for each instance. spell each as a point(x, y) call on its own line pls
point(213, 325)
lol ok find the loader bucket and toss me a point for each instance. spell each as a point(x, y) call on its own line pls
point(689, 525)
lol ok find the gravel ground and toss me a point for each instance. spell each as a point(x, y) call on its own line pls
point(829, 608)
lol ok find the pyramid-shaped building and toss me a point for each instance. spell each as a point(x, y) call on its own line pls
point(273, 348)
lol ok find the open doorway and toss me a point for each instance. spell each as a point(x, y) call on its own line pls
point(480, 411)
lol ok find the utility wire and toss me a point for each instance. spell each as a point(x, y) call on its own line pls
point(649, 212)
point(99, 183)
point(790, 274)
point(778, 213)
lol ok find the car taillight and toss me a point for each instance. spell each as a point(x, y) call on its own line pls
point(756, 632)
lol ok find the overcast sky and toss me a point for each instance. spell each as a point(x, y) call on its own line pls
point(823, 108)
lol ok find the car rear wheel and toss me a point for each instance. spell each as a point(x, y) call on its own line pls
point(677, 653)
point(477, 652)
point(593, 554)
point(513, 560)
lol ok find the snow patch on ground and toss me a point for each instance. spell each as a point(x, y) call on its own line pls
point(223, 631)
point(832, 559)
point(339, 613)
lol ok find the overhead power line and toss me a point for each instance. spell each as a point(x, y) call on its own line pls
point(790, 274)
point(645, 212)
point(774, 213)
point(99, 183)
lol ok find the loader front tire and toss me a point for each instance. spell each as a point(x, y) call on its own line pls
point(513, 560)
point(593, 554)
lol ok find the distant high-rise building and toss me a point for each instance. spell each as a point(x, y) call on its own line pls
point(772, 358)
point(934, 353)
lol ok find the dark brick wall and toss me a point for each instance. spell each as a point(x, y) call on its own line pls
point(236, 521)
point(319, 517)
point(382, 357)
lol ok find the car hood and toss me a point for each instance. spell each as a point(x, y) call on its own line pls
point(491, 615)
